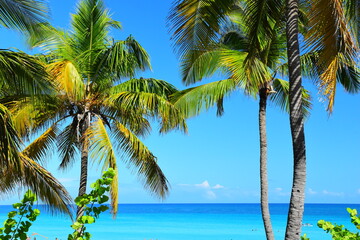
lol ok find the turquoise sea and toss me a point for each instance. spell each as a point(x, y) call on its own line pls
point(191, 222)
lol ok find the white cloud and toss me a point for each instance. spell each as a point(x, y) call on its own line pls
point(204, 184)
point(279, 189)
point(218, 186)
point(358, 191)
point(311, 191)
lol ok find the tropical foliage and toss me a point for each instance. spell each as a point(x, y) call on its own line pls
point(20, 220)
point(246, 41)
point(23, 15)
point(92, 113)
point(87, 201)
point(22, 76)
point(338, 232)
point(246, 49)
point(333, 32)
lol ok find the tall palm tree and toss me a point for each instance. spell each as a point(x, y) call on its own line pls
point(330, 37)
point(23, 75)
point(92, 112)
point(250, 52)
point(196, 25)
point(296, 209)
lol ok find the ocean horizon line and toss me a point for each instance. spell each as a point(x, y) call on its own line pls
point(249, 203)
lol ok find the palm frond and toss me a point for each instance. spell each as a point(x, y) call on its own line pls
point(23, 15)
point(153, 105)
point(281, 96)
point(120, 59)
point(140, 158)
point(148, 85)
point(352, 13)
point(198, 64)
point(9, 140)
point(329, 33)
point(68, 144)
point(134, 119)
point(101, 150)
point(47, 38)
point(234, 38)
point(90, 25)
point(261, 18)
point(68, 80)
point(349, 77)
point(40, 181)
point(38, 149)
point(193, 101)
point(249, 73)
point(22, 74)
point(196, 23)
point(23, 114)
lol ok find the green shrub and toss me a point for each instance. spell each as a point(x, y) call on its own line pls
point(338, 232)
point(91, 212)
point(20, 220)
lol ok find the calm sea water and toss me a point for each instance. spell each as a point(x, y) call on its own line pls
point(192, 222)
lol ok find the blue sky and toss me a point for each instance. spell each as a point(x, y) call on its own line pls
point(218, 161)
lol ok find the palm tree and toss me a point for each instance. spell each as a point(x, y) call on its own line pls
point(23, 75)
point(330, 37)
point(296, 209)
point(91, 111)
point(196, 25)
point(250, 55)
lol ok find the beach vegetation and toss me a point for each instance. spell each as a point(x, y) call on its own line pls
point(92, 112)
point(20, 220)
point(22, 77)
point(243, 46)
point(93, 205)
point(197, 28)
point(339, 232)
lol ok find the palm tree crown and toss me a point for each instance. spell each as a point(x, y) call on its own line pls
point(93, 112)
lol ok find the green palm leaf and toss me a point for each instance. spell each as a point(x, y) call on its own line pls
point(281, 96)
point(22, 74)
point(41, 182)
point(120, 59)
point(153, 105)
point(139, 156)
point(23, 14)
point(9, 140)
point(68, 144)
point(196, 23)
point(193, 101)
point(101, 150)
point(147, 85)
point(38, 149)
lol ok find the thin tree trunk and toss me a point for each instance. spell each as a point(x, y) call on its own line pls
point(296, 208)
point(84, 162)
point(263, 166)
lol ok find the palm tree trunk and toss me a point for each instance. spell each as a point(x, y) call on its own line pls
point(263, 166)
point(296, 209)
point(84, 162)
